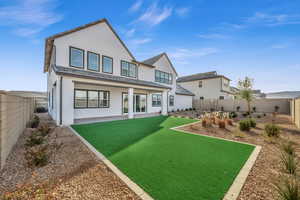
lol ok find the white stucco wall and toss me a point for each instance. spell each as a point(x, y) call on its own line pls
point(183, 102)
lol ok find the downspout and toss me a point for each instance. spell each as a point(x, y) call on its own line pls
point(60, 100)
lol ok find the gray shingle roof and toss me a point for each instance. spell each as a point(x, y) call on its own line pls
point(153, 59)
point(105, 77)
point(199, 76)
point(183, 91)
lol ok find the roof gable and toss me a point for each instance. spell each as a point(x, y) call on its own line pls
point(50, 40)
point(153, 60)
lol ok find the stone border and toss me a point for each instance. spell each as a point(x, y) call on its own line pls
point(133, 186)
point(240, 179)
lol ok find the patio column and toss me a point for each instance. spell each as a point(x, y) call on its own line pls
point(164, 109)
point(130, 103)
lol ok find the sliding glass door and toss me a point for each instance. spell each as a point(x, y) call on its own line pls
point(139, 103)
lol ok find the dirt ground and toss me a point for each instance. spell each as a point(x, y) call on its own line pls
point(259, 184)
point(73, 172)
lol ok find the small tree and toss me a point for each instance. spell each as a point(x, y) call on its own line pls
point(245, 87)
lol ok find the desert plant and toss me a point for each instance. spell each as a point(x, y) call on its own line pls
point(289, 163)
point(254, 109)
point(186, 109)
point(252, 122)
point(204, 123)
point(245, 91)
point(44, 129)
point(288, 148)
point(229, 122)
point(288, 188)
point(232, 115)
point(222, 124)
point(35, 138)
point(34, 123)
point(264, 114)
point(41, 110)
point(37, 156)
point(272, 130)
point(238, 108)
point(276, 108)
point(245, 125)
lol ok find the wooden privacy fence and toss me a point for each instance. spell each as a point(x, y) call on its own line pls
point(261, 105)
point(295, 111)
point(15, 112)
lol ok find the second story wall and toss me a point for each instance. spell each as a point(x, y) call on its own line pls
point(98, 39)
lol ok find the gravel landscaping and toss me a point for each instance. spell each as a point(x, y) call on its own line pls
point(259, 183)
point(72, 173)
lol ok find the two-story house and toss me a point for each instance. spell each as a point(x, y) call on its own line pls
point(92, 75)
point(208, 85)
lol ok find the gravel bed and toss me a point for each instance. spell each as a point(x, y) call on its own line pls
point(73, 172)
point(267, 168)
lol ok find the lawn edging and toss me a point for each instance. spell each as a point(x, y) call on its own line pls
point(132, 185)
point(238, 183)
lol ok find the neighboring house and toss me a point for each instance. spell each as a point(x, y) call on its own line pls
point(208, 85)
point(92, 74)
point(258, 94)
point(283, 95)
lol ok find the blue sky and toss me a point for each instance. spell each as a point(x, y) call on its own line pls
point(256, 38)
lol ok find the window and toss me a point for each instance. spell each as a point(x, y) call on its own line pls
point(163, 77)
point(128, 69)
point(221, 97)
point(93, 61)
point(80, 99)
point(107, 64)
point(156, 100)
point(76, 57)
point(91, 99)
point(200, 84)
point(104, 99)
point(171, 100)
point(201, 98)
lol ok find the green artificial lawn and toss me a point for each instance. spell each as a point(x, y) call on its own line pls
point(168, 164)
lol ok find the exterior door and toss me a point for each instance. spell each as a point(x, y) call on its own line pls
point(139, 103)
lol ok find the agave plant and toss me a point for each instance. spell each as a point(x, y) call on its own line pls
point(288, 188)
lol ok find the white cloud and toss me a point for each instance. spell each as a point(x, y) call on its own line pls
point(154, 15)
point(29, 16)
point(213, 36)
point(279, 46)
point(140, 41)
point(181, 54)
point(182, 12)
point(273, 19)
point(136, 6)
point(130, 32)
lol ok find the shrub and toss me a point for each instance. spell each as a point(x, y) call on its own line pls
point(229, 122)
point(276, 108)
point(264, 114)
point(288, 148)
point(288, 188)
point(213, 120)
point(186, 109)
point(222, 124)
point(254, 109)
point(232, 115)
point(41, 110)
point(44, 129)
point(245, 114)
point(245, 125)
point(204, 123)
point(238, 108)
point(252, 122)
point(272, 130)
point(289, 163)
point(35, 138)
point(178, 110)
point(194, 108)
point(190, 109)
point(37, 156)
point(258, 116)
point(34, 123)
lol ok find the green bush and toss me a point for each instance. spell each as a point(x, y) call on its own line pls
point(34, 123)
point(35, 138)
point(44, 129)
point(232, 115)
point(288, 148)
point(245, 125)
point(37, 156)
point(272, 130)
point(252, 122)
point(288, 188)
point(41, 110)
point(289, 163)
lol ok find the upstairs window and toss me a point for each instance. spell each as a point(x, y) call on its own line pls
point(93, 61)
point(107, 64)
point(163, 77)
point(171, 100)
point(128, 69)
point(200, 84)
point(156, 100)
point(76, 57)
